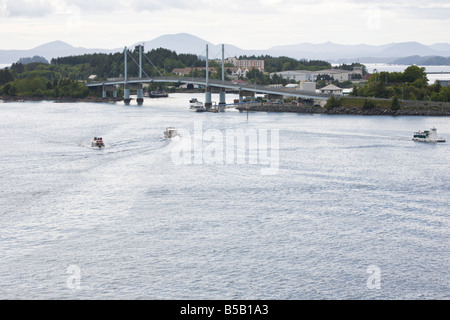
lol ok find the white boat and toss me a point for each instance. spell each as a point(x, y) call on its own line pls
point(97, 142)
point(427, 136)
point(196, 105)
point(170, 132)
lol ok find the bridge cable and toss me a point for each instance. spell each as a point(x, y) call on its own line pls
point(145, 55)
point(138, 66)
point(120, 58)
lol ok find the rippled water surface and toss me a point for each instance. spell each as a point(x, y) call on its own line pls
point(349, 195)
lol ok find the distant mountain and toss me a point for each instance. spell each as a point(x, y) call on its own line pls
point(423, 61)
point(364, 53)
point(408, 48)
point(49, 50)
point(187, 43)
point(441, 47)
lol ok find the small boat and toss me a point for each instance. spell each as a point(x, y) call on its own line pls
point(158, 94)
point(97, 142)
point(196, 105)
point(427, 136)
point(170, 132)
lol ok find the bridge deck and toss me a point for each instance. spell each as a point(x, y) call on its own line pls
point(216, 83)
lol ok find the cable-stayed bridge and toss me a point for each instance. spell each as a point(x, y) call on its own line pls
point(244, 89)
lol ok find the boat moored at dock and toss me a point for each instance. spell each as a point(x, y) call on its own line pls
point(158, 94)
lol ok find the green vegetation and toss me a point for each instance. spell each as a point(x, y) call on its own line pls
point(412, 84)
point(395, 104)
point(333, 103)
point(40, 80)
point(65, 76)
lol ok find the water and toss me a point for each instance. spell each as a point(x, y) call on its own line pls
point(355, 209)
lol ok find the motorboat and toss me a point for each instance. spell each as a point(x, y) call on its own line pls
point(97, 142)
point(427, 136)
point(170, 132)
point(196, 105)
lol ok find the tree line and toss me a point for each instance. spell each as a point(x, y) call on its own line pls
point(65, 76)
point(412, 84)
point(40, 80)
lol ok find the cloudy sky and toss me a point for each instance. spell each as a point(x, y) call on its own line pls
point(249, 24)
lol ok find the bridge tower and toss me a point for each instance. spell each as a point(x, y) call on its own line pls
point(126, 89)
point(222, 99)
point(208, 102)
point(140, 90)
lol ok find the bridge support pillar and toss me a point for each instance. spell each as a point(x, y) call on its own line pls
point(103, 92)
point(115, 94)
point(208, 102)
point(126, 95)
point(140, 95)
point(222, 99)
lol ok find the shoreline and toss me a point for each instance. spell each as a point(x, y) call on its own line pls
point(408, 108)
point(7, 99)
point(423, 110)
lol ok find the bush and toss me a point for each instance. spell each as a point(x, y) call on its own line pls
point(333, 103)
point(437, 97)
point(395, 104)
point(368, 105)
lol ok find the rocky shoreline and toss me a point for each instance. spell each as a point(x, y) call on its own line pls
point(407, 111)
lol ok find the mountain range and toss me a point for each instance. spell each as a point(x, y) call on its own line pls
point(187, 43)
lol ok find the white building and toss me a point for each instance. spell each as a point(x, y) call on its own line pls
point(308, 86)
point(246, 64)
point(331, 89)
point(296, 75)
point(305, 75)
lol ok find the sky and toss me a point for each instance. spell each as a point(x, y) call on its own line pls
point(248, 24)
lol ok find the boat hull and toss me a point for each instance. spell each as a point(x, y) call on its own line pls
point(428, 140)
point(97, 145)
